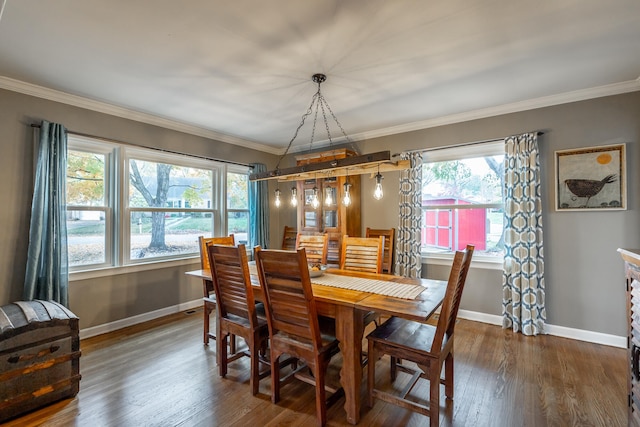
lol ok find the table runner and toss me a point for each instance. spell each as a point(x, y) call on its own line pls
point(381, 287)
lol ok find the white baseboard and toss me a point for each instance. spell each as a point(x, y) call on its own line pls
point(560, 331)
point(134, 320)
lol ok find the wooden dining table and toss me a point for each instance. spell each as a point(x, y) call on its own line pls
point(349, 307)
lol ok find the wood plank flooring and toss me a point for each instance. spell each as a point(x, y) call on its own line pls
point(160, 374)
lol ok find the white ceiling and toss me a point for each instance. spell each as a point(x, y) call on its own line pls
point(241, 70)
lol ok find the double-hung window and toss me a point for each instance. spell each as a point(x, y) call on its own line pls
point(129, 206)
point(462, 201)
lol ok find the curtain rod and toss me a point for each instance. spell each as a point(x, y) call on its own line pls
point(35, 125)
point(463, 144)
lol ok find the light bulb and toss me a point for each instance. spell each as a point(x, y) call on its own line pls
point(377, 193)
point(346, 200)
point(294, 197)
point(277, 201)
point(314, 200)
point(329, 199)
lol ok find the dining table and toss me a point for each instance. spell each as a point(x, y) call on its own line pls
point(349, 297)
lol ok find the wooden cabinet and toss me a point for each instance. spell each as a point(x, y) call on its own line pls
point(631, 259)
point(330, 215)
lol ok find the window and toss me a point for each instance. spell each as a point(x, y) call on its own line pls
point(462, 200)
point(128, 205)
point(238, 205)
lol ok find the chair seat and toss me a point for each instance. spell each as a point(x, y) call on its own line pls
point(407, 334)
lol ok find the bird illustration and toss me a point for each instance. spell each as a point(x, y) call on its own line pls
point(588, 187)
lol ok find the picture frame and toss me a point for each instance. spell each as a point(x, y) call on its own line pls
point(591, 178)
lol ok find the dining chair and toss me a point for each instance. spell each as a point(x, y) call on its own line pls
point(294, 325)
point(317, 246)
point(237, 313)
point(428, 346)
point(289, 238)
point(209, 297)
point(389, 242)
point(362, 254)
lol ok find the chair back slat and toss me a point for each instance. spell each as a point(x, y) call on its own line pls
point(288, 296)
point(203, 241)
point(362, 254)
point(289, 238)
point(389, 242)
point(232, 281)
point(317, 246)
point(453, 295)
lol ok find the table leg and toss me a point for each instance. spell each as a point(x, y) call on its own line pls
point(349, 330)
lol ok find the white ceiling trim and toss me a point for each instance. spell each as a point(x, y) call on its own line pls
point(532, 104)
point(103, 107)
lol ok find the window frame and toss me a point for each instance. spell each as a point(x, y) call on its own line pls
point(484, 149)
point(117, 219)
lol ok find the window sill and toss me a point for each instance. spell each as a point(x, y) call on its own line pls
point(478, 261)
point(133, 268)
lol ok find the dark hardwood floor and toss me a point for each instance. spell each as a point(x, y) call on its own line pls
point(160, 374)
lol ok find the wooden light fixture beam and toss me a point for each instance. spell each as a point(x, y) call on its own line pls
point(353, 165)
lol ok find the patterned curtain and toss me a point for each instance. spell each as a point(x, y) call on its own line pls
point(523, 306)
point(408, 259)
point(47, 270)
point(259, 210)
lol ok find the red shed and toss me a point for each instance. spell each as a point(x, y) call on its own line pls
point(453, 229)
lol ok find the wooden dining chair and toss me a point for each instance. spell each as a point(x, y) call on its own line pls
point(209, 298)
point(362, 254)
point(237, 313)
point(429, 347)
point(289, 238)
point(317, 246)
point(294, 326)
point(389, 242)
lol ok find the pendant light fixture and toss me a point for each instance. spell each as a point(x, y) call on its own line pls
point(277, 200)
point(315, 202)
point(358, 165)
point(378, 193)
point(294, 197)
point(346, 199)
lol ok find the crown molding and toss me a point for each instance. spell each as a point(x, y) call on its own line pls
point(531, 104)
point(103, 107)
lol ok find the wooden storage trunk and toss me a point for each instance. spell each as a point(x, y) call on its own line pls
point(39, 356)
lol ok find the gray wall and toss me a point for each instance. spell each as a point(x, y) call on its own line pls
point(584, 274)
point(105, 299)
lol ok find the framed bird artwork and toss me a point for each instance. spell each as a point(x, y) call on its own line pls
point(591, 178)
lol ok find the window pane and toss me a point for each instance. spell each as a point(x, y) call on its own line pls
point(477, 180)
point(447, 230)
point(163, 185)
point(162, 234)
point(85, 179)
point(237, 191)
point(86, 237)
point(238, 224)
point(464, 182)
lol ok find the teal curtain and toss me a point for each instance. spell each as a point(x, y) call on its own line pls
point(47, 271)
point(523, 303)
point(259, 209)
point(408, 257)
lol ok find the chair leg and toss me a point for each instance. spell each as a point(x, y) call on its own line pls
point(448, 376)
point(221, 349)
point(393, 369)
point(275, 377)
point(371, 373)
point(321, 394)
point(232, 343)
point(434, 395)
point(207, 313)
